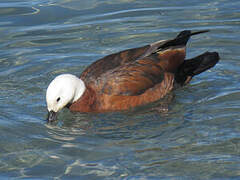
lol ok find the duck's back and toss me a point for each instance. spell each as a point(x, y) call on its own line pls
point(115, 60)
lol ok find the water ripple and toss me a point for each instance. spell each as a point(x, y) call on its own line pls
point(198, 135)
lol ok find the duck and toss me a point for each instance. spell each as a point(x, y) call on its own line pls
point(128, 79)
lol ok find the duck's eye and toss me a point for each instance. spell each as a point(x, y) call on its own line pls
point(58, 99)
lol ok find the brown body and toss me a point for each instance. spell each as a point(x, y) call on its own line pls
point(135, 77)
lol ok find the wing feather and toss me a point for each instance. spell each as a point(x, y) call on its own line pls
point(130, 79)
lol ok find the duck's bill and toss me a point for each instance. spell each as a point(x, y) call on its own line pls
point(52, 116)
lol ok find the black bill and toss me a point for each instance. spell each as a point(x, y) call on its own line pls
point(52, 116)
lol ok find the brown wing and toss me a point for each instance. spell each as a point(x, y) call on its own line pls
point(171, 53)
point(115, 60)
point(129, 79)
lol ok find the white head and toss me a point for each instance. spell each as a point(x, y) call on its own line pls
point(64, 89)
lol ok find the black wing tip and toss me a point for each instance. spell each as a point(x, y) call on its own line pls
point(181, 39)
point(199, 32)
point(188, 33)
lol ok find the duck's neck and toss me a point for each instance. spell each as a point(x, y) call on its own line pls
point(86, 103)
point(80, 88)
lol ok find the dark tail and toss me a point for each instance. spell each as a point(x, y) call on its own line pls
point(196, 66)
point(182, 38)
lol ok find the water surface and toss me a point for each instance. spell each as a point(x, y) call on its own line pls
point(198, 138)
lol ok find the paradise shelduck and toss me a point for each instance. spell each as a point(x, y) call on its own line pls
point(129, 78)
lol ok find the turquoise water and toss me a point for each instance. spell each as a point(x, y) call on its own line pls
point(198, 138)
